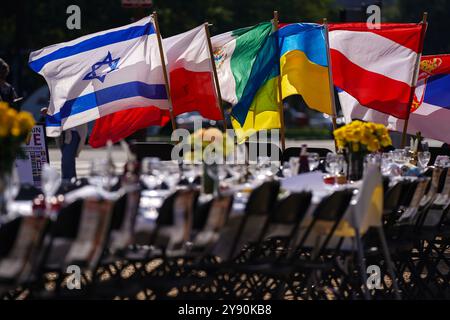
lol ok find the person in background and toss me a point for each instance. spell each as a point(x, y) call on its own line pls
point(7, 92)
point(70, 142)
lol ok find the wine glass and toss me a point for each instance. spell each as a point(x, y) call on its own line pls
point(102, 174)
point(218, 173)
point(334, 165)
point(50, 182)
point(294, 164)
point(12, 188)
point(287, 170)
point(424, 158)
point(400, 157)
point(190, 171)
point(151, 173)
point(171, 174)
point(313, 161)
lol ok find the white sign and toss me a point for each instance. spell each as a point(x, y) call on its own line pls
point(35, 154)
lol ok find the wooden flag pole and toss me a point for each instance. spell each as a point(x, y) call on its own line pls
point(163, 62)
point(330, 75)
point(330, 79)
point(416, 74)
point(216, 78)
point(280, 104)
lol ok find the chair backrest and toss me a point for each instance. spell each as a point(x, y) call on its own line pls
point(27, 192)
point(67, 221)
point(175, 219)
point(262, 199)
point(368, 210)
point(325, 219)
point(436, 151)
point(123, 221)
point(22, 257)
point(92, 235)
point(152, 149)
point(444, 183)
point(209, 219)
point(392, 197)
point(8, 234)
point(283, 222)
point(247, 227)
point(295, 152)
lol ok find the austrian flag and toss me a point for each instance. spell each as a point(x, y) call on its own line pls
point(376, 66)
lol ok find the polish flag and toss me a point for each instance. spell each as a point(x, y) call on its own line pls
point(191, 75)
point(376, 66)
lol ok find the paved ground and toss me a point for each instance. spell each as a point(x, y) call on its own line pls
point(120, 157)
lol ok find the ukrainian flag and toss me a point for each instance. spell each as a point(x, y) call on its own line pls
point(304, 65)
point(258, 108)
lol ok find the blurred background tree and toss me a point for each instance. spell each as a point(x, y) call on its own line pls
point(27, 25)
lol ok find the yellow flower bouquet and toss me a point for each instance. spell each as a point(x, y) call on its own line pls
point(15, 128)
point(363, 137)
point(204, 142)
point(357, 139)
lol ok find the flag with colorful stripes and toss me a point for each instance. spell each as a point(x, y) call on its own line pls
point(247, 64)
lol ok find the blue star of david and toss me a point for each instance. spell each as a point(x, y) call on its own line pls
point(112, 63)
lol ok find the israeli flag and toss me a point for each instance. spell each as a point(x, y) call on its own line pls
point(101, 73)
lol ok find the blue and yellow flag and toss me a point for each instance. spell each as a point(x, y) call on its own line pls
point(304, 64)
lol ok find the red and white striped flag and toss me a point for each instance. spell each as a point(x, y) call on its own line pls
point(191, 75)
point(375, 67)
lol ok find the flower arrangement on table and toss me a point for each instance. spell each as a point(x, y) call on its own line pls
point(15, 128)
point(357, 139)
point(364, 137)
point(209, 147)
point(204, 142)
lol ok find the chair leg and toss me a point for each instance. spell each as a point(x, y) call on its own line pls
point(362, 263)
point(389, 264)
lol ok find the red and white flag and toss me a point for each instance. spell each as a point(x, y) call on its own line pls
point(191, 75)
point(375, 67)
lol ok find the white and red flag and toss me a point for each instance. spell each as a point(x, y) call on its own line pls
point(191, 75)
point(375, 67)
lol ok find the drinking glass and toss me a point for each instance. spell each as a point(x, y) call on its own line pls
point(442, 161)
point(334, 163)
point(294, 164)
point(287, 170)
point(424, 157)
point(313, 161)
point(102, 174)
point(12, 188)
point(400, 157)
point(50, 180)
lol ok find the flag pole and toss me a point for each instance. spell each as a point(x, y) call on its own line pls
point(416, 74)
point(163, 62)
point(216, 78)
point(280, 104)
point(330, 79)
